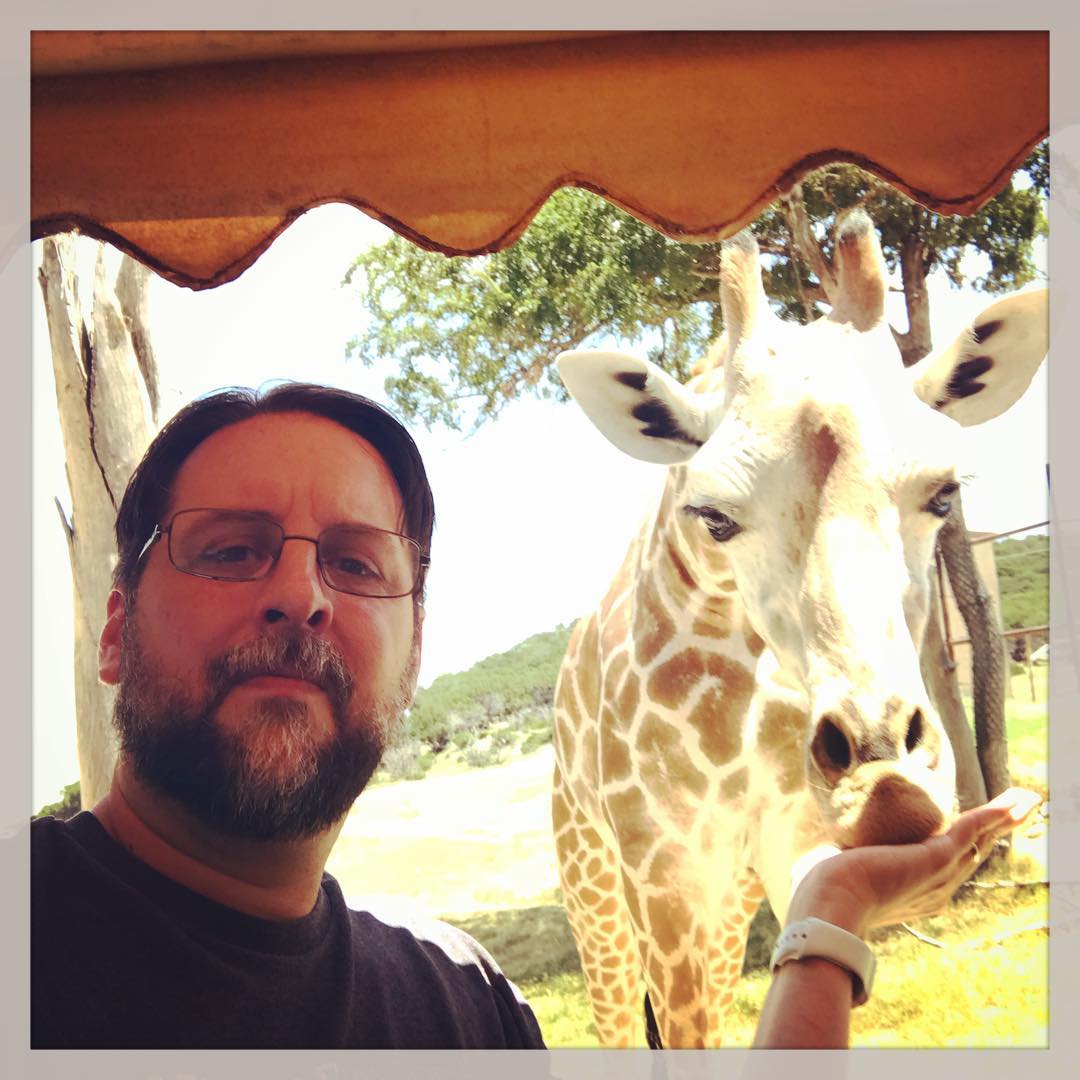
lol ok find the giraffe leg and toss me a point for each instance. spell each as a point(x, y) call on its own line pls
point(729, 949)
point(600, 921)
point(675, 960)
point(692, 953)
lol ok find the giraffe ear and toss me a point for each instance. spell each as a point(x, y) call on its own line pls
point(986, 369)
point(638, 407)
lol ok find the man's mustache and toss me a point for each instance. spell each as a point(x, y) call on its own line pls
point(291, 655)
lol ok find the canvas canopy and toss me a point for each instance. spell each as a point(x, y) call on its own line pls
point(193, 150)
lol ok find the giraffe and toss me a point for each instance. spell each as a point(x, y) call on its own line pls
point(747, 693)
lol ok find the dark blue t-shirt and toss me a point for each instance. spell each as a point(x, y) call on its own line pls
point(123, 957)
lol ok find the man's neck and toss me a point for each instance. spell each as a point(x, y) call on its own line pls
point(270, 879)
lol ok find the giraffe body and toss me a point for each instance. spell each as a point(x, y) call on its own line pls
point(747, 695)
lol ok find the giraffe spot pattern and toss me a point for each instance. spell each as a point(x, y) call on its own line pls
point(630, 818)
point(755, 644)
point(669, 919)
point(717, 717)
point(782, 736)
point(678, 578)
point(634, 907)
point(685, 983)
point(617, 765)
point(658, 975)
point(588, 675)
point(672, 681)
point(734, 786)
point(665, 762)
point(652, 626)
point(560, 813)
point(718, 734)
point(627, 701)
point(665, 868)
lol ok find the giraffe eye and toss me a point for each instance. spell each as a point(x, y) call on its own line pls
point(940, 505)
point(720, 526)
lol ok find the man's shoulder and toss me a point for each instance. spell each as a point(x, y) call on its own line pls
point(403, 926)
point(432, 967)
point(50, 835)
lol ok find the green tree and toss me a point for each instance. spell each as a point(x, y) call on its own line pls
point(470, 335)
point(69, 804)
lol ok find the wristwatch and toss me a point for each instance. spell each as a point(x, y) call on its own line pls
point(815, 937)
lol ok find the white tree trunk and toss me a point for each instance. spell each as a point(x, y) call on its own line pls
point(104, 392)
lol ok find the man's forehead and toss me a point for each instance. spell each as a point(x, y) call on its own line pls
point(271, 452)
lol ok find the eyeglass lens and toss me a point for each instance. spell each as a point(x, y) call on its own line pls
point(238, 546)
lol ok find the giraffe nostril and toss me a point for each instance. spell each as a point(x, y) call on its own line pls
point(914, 732)
point(831, 748)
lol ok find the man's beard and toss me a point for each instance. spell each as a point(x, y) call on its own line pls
point(293, 787)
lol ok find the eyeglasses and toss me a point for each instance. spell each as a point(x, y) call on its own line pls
point(239, 545)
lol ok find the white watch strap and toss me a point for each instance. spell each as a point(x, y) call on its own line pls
point(815, 937)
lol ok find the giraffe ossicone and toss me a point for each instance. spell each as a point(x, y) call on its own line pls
point(748, 692)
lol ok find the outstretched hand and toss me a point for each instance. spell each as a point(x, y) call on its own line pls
point(860, 888)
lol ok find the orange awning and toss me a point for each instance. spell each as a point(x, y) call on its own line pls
point(193, 150)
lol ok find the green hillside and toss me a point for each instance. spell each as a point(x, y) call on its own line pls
point(479, 717)
point(1023, 571)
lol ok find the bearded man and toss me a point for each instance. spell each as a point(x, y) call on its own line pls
point(264, 635)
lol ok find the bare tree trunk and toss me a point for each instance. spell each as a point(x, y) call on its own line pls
point(808, 249)
point(987, 651)
point(917, 342)
point(103, 394)
point(939, 674)
point(953, 544)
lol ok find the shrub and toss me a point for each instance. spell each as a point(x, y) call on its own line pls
point(481, 755)
point(405, 761)
point(535, 739)
point(68, 806)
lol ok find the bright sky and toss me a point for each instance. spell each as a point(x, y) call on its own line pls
point(533, 512)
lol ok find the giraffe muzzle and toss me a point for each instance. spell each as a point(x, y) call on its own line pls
point(884, 783)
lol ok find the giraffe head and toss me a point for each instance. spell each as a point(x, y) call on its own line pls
point(816, 470)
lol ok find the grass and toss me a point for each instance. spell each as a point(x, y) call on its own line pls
point(1026, 729)
point(984, 985)
point(474, 846)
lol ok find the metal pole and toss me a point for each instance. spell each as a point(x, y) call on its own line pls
point(944, 609)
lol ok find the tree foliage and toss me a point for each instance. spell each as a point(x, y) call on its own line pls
point(469, 335)
point(68, 805)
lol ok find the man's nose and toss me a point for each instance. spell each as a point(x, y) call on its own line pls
point(295, 590)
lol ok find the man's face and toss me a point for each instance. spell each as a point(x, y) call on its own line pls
point(201, 720)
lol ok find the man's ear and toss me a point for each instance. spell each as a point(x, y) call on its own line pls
point(109, 647)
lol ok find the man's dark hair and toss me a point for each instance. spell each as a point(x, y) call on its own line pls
point(150, 486)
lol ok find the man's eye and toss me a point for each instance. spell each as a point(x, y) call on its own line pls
point(233, 554)
point(940, 505)
point(354, 567)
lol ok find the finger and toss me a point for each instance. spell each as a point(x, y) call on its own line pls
point(1018, 801)
point(997, 817)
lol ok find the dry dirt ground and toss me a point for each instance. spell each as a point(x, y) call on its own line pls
point(452, 844)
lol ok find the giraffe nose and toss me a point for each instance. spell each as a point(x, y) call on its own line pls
point(843, 740)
